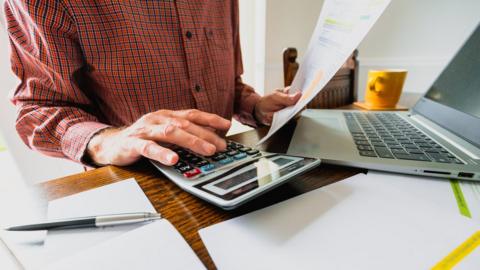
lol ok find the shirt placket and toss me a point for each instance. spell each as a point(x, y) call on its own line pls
point(192, 44)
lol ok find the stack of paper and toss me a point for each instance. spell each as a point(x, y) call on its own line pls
point(360, 223)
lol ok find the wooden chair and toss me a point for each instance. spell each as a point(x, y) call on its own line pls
point(341, 90)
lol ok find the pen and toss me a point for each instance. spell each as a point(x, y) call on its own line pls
point(88, 222)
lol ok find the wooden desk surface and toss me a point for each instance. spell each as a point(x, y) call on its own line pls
point(187, 213)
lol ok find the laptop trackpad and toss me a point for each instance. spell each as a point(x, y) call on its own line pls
point(324, 137)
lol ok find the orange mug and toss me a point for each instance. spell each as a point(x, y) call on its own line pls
point(384, 88)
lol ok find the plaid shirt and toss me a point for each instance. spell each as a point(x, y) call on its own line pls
point(87, 65)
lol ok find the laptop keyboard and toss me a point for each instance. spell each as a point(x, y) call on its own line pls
point(386, 135)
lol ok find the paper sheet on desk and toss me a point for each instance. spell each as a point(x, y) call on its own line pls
point(358, 223)
point(341, 26)
point(21, 205)
point(438, 191)
point(121, 197)
point(33, 250)
point(149, 250)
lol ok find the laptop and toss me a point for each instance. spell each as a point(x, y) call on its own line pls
point(439, 136)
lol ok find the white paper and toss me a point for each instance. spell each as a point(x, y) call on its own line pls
point(358, 223)
point(22, 206)
point(154, 246)
point(36, 249)
point(121, 197)
point(341, 26)
point(471, 192)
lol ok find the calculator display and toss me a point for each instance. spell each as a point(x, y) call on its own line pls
point(246, 179)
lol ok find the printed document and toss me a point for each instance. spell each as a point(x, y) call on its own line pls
point(341, 26)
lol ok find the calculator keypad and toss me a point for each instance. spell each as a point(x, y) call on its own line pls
point(192, 165)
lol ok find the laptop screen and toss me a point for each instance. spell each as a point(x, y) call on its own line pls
point(458, 86)
point(453, 101)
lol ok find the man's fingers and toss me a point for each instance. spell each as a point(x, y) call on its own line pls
point(208, 135)
point(285, 99)
point(172, 134)
point(152, 150)
point(204, 119)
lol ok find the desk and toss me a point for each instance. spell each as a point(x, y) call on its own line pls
point(187, 213)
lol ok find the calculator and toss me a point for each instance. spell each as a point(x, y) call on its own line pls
point(232, 177)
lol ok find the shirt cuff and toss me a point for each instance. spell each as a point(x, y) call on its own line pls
point(246, 110)
point(76, 138)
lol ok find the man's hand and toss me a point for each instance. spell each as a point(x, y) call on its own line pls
point(191, 129)
point(273, 102)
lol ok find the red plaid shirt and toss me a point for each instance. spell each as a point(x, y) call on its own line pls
point(86, 65)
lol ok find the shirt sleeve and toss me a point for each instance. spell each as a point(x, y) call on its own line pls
point(245, 96)
point(55, 117)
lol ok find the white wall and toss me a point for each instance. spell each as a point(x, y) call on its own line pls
point(289, 24)
point(420, 36)
point(252, 35)
point(33, 166)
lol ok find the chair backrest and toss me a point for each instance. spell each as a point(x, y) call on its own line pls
point(341, 90)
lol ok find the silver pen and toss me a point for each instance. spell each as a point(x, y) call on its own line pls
point(88, 222)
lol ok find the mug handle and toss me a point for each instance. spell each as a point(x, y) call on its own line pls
point(373, 82)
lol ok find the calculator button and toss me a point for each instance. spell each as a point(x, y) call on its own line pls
point(240, 156)
point(232, 153)
point(245, 149)
point(192, 173)
point(202, 163)
point(218, 157)
point(253, 152)
point(185, 168)
point(194, 160)
point(180, 164)
point(226, 160)
point(207, 168)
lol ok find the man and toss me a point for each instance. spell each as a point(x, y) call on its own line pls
point(108, 82)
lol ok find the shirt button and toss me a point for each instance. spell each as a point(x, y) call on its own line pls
point(198, 88)
point(189, 34)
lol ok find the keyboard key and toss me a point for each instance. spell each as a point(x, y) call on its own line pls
point(194, 160)
point(226, 160)
point(368, 153)
point(362, 142)
point(378, 144)
point(419, 157)
point(202, 163)
point(218, 157)
point(253, 152)
point(232, 153)
point(180, 164)
point(399, 151)
point(207, 168)
point(383, 152)
point(192, 173)
point(409, 146)
point(414, 151)
point(240, 156)
point(364, 147)
point(184, 169)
